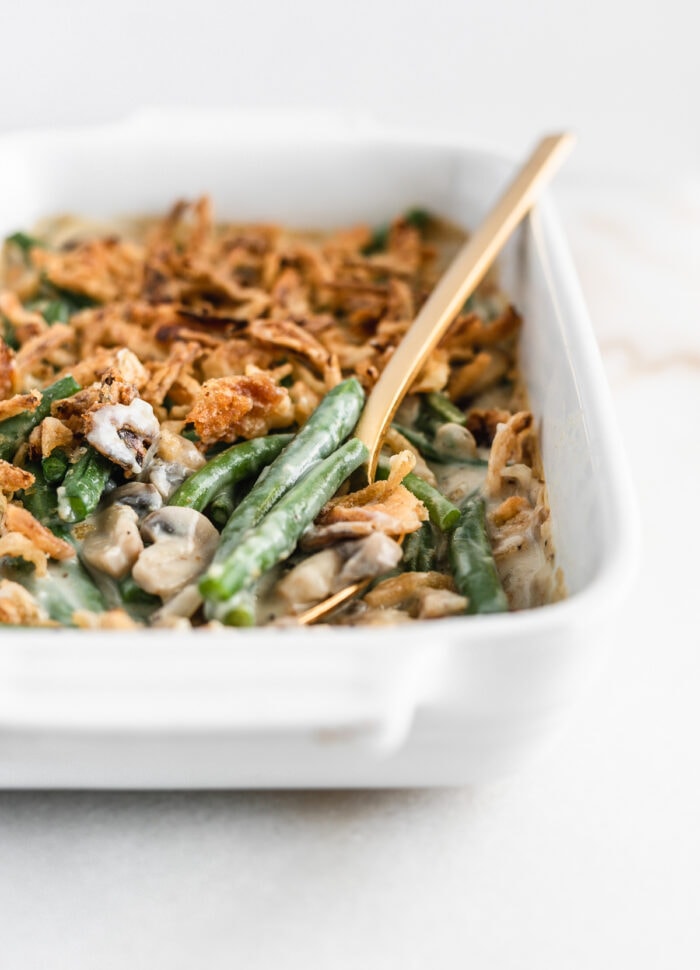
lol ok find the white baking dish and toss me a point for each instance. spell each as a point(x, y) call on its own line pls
point(435, 703)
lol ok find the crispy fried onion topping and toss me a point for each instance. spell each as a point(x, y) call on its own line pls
point(245, 406)
point(18, 519)
point(49, 435)
point(15, 545)
point(507, 446)
point(119, 363)
point(286, 333)
point(8, 371)
point(420, 595)
point(116, 619)
point(102, 269)
point(185, 301)
point(18, 607)
point(13, 479)
point(76, 411)
point(385, 506)
point(19, 403)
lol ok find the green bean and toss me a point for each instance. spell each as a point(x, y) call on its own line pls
point(221, 507)
point(68, 587)
point(420, 219)
point(238, 610)
point(65, 588)
point(419, 550)
point(55, 465)
point(419, 441)
point(24, 241)
point(57, 311)
point(73, 300)
point(40, 499)
point(428, 449)
point(276, 536)
point(443, 408)
point(473, 566)
point(330, 423)
point(83, 486)
point(378, 241)
point(13, 431)
point(441, 511)
point(227, 468)
point(131, 593)
point(8, 334)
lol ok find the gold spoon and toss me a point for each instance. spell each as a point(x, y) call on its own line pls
point(459, 281)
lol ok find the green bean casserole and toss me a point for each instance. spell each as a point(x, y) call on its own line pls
point(177, 406)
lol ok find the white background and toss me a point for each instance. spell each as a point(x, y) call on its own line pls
point(591, 858)
point(624, 74)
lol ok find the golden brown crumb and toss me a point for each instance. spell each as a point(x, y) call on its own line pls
point(395, 441)
point(102, 269)
point(18, 607)
point(13, 479)
point(18, 519)
point(286, 333)
point(53, 348)
point(483, 423)
point(409, 590)
point(119, 362)
point(244, 406)
point(17, 545)
point(76, 412)
point(49, 435)
point(26, 323)
point(469, 331)
point(164, 374)
point(109, 620)
point(483, 371)
point(507, 445)
point(509, 508)
point(384, 506)
point(19, 403)
point(8, 371)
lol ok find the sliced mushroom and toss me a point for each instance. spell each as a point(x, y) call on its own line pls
point(369, 557)
point(127, 434)
point(455, 441)
point(166, 476)
point(114, 544)
point(183, 545)
point(184, 603)
point(441, 602)
point(173, 447)
point(139, 496)
point(312, 580)
point(171, 623)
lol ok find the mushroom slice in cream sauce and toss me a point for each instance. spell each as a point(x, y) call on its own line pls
point(114, 544)
point(183, 542)
point(127, 434)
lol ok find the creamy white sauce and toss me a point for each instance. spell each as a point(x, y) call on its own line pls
point(138, 418)
point(457, 480)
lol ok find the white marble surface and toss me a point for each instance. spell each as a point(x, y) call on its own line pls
point(588, 859)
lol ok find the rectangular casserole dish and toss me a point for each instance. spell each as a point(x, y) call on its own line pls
point(443, 702)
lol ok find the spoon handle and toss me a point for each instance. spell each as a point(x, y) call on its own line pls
point(460, 280)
